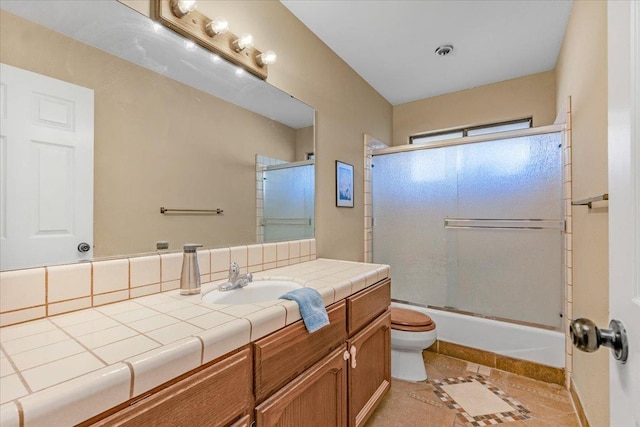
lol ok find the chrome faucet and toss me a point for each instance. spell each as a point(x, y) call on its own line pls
point(236, 280)
point(190, 276)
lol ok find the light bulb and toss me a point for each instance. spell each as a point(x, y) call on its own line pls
point(267, 58)
point(189, 46)
point(217, 26)
point(181, 8)
point(243, 42)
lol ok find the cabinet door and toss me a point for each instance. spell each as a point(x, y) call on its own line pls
point(218, 395)
point(369, 368)
point(285, 354)
point(366, 305)
point(317, 398)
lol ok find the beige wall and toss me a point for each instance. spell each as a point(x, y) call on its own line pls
point(581, 73)
point(529, 96)
point(346, 108)
point(157, 143)
point(304, 142)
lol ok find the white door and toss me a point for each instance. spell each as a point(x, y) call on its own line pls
point(46, 168)
point(624, 205)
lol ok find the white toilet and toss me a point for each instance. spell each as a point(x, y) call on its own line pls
point(411, 332)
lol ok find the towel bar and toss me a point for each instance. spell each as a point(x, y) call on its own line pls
point(505, 224)
point(590, 200)
point(164, 210)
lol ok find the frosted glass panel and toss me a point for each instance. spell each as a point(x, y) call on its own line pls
point(288, 203)
point(412, 194)
point(512, 273)
point(511, 178)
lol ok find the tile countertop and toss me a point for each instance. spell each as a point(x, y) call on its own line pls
point(65, 369)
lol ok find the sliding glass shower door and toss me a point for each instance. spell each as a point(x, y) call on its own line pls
point(475, 227)
point(288, 202)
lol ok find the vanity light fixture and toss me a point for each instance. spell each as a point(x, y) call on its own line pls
point(267, 58)
point(181, 8)
point(242, 42)
point(182, 17)
point(217, 26)
point(190, 46)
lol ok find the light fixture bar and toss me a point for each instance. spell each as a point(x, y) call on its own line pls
point(194, 27)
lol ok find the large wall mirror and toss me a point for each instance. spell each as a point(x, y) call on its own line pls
point(169, 126)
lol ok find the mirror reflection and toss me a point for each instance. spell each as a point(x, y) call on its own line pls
point(120, 117)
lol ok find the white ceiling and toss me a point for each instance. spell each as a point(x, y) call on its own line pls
point(391, 44)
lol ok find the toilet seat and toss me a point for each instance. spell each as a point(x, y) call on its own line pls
point(403, 319)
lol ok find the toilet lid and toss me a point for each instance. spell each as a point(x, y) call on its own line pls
point(410, 320)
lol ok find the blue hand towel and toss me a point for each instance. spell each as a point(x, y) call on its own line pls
point(311, 307)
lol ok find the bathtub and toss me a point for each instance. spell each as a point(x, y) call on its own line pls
point(520, 342)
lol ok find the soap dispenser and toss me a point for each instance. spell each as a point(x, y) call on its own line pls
point(190, 277)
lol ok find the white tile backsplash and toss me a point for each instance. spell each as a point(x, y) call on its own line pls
point(171, 266)
point(35, 293)
point(220, 260)
point(282, 251)
point(239, 254)
point(65, 282)
point(68, 306)
point(144, 270)
point(254, 255)
point(22, 289)
point(110, 276)
point(270, 254)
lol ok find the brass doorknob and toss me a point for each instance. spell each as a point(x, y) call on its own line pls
point(586, 336)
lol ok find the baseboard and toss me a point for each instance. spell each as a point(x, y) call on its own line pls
point(578, 404)
point(525, 368)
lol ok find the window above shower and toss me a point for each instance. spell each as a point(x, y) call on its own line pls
point(441, 135)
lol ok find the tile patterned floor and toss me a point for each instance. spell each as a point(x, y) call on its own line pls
point(426, 404)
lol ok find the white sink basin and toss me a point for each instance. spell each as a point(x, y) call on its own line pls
point(258, 291)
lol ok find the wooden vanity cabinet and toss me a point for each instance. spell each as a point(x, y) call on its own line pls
point(317, 398)
point(369, 368)
point(221, 394)
point(343, 388)
point(287, 353)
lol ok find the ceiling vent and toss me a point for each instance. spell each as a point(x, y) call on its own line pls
point(444, 50)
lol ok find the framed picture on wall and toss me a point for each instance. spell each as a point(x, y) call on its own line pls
point(344, 185)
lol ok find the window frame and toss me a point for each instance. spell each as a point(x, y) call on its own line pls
point(465, 130)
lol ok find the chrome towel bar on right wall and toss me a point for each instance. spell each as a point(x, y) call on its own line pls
point(590, 200)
